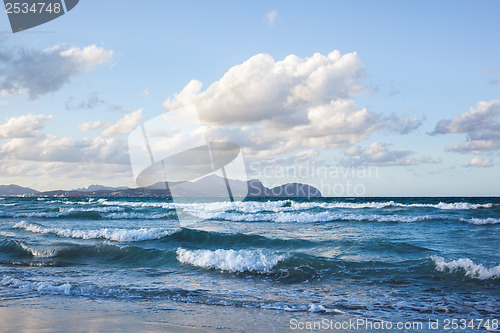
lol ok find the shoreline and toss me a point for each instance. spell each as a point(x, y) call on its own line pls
point(49, 313)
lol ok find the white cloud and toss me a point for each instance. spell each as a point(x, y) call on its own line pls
point(478, 162)
point(38, 72)
point(86, 58)
point(30, 154)
point(377, 154)
point(49, 148)
point(271, 17)
point(46, 176)
point(91, 125)
point(276, 107)
point(24, 126)
point(261, 89)
point(481, 124)
point(496, 80)
point(125, 125)
point(474, 146)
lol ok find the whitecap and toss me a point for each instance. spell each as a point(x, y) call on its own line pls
point(471, 269)
point(40, 287)
point(113, 234)
point(304, 217)
point(230, 260)
point(478, 221)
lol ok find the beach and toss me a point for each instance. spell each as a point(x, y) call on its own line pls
point(63, 314)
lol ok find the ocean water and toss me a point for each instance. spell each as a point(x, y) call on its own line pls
point(390, 259)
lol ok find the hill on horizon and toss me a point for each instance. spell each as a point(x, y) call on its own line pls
point(209, 186)
point(16, 190)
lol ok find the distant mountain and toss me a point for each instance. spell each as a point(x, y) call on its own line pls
point(210, 186)
point(94, 188)
point(290, 190)
point(16, 190)
point(215, 186)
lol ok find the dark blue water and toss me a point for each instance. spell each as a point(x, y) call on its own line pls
point(382, 258)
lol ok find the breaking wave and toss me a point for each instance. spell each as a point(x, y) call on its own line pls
point(113, 234)
point(287, 205)
point(90, 214)
point(467, 267)
point(230, 260)
point(478, 221)
point(305, 217)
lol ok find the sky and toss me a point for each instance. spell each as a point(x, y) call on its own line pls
point(358, 98)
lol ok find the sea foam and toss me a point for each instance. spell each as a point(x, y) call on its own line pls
point(40, 287)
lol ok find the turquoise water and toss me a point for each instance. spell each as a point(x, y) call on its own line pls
point(377, 258)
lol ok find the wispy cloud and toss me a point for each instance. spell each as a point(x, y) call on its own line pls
point(92, 102)
point(378, 154)
point(91, 125)
point(146, 93)
point(496, 80)
point(271, 17)
point(124, 125)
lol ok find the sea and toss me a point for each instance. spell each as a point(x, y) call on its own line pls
point(384, 260)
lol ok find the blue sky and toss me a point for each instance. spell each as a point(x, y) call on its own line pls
point(413, 91)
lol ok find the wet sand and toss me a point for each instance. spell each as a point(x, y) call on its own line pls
point(73, 314)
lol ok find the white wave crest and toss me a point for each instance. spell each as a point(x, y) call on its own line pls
point(102, 211)
point(477, 221)
point(124, 216)
point(93, 209)
point(42, 214)
point(230, 260)
point(320, 308)
point(471, 269)
point(40, 287)
point(38, 253)
point(254, 207)
point(113, 234)
point(455, 205)
point(303, 217)
point(165, 205)
point(54, 288)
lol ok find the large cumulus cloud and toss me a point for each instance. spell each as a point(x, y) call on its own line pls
point(276, 107)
